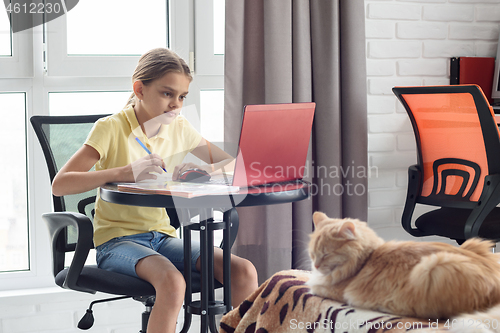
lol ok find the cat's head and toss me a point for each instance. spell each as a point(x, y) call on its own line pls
point(339, 247)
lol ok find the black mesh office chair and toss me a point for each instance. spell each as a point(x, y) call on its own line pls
point(70, 225)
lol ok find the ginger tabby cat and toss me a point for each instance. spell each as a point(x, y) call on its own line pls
point(418, 279)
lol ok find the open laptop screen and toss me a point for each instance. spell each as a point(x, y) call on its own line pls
point(273, 145)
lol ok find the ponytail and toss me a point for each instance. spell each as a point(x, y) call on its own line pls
point(131, 101)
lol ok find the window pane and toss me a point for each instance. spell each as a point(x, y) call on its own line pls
point(116, 27)
point(219, 26)
point(84, 103)
point(212, 115)
point(13, 197)
point(5, 35)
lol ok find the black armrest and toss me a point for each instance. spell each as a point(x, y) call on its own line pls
point(56, 223)
point(82, 204)
point(487, 202)
point(414, 180)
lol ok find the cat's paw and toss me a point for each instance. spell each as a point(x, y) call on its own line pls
point(315, 278)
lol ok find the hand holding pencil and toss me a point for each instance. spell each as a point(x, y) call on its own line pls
point(147, 150)
point(145, 167)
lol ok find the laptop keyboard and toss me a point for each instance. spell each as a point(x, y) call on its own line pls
point(284, 183)
point(221, 181)
point(229, 181)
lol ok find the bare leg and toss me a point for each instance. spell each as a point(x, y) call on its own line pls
point(169, 285)
point(243, 276)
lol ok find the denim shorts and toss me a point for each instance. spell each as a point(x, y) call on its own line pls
point(121, 254)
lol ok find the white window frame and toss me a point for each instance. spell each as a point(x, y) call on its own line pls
point(181, 27)
point(60, 64)
point(37, 85)
point(40, 263)
point(208, 67)
point(206, 62)
point(39, 273)
point(20, 64)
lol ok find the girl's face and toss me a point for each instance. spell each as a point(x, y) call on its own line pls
point(162, 99)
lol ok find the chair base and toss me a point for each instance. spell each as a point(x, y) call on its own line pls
point(450, 223)
point(149, 302)
point(100, 280)
point(87, 320)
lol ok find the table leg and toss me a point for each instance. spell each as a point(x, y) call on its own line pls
point(227, 259)
point(210, 258)
point(204, 270)
point(207, 307)
point(186, 234)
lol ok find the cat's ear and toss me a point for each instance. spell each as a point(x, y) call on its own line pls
point(348, 230)
point(319, 217)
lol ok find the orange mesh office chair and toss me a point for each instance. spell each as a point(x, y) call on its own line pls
point(458, 169)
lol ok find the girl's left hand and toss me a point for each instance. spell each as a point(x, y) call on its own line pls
point(183, 167)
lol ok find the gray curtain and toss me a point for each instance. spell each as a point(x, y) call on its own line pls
point(281, 51)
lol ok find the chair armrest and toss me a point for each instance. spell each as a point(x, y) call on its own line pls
point(414, 180)
point(490, 198)
point(57, 222)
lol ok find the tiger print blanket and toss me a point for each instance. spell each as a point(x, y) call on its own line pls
point(284, 304)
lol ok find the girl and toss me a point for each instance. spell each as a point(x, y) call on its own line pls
point(140, 241)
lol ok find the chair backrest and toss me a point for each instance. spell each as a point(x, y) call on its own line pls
point(60, 137)
point(458, 142)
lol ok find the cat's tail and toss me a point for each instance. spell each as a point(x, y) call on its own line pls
point(479, 246)
point(443, 279)
point(478, 322)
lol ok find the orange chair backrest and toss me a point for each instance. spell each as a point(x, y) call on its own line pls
point(451, 144)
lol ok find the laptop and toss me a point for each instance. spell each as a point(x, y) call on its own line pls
point(273, 144)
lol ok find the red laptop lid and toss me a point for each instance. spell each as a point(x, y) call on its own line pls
point(273, 145)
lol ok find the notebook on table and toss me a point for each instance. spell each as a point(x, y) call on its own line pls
point(273, 144)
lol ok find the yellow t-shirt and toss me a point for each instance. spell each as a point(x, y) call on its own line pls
point(114, 138)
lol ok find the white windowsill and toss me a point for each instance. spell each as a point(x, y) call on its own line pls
point(55, 293)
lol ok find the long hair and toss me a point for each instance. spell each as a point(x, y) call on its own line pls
point(154, 64)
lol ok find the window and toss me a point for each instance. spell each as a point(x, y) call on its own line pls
point(5, 37)
point(16, 50)
point(212, 115)
point(219, 26)
point(141, 29)
point(209, 68)
point(14, 254)
point(103, 102)
point(88, 70)
point(120, 32)
point(209, 47)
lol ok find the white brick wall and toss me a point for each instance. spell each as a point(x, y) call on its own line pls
point(409, 42)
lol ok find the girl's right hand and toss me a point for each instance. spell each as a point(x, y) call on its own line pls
point(142, 168)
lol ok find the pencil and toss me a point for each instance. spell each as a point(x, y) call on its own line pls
point(147, 150)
